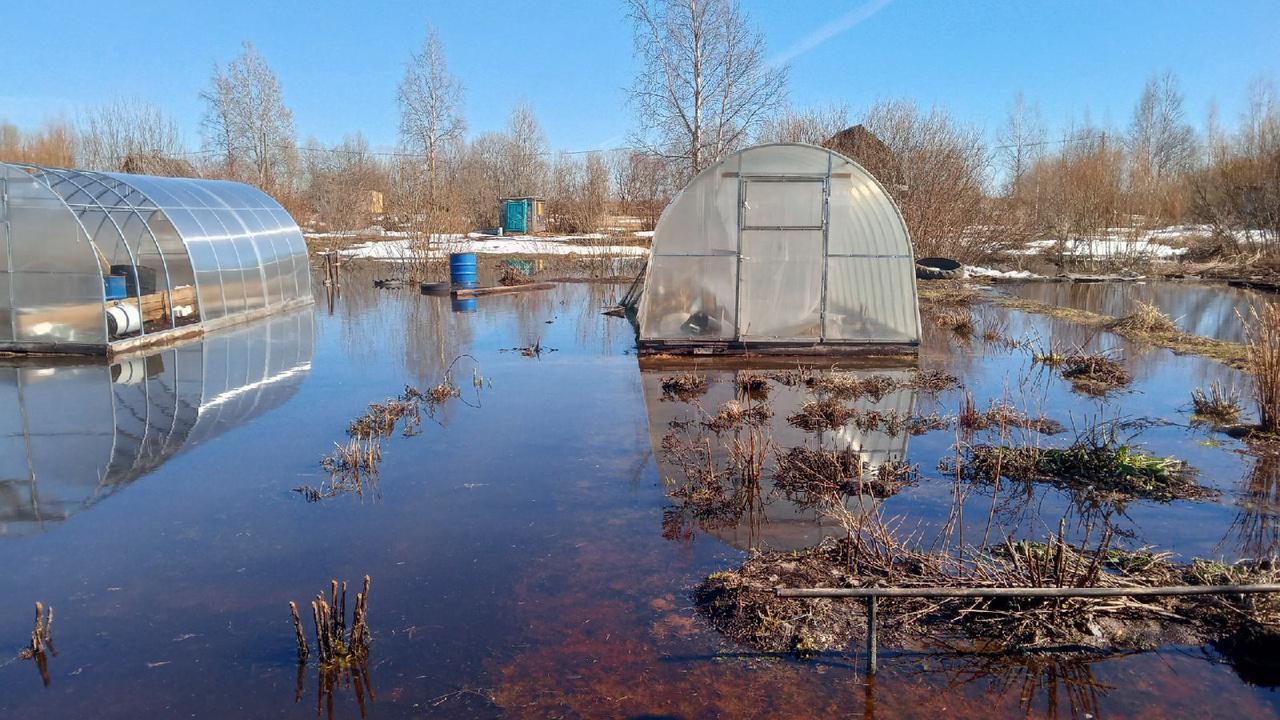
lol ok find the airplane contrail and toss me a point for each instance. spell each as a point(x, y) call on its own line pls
point(826, 32)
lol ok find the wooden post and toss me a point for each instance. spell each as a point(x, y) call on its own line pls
point(871, 635)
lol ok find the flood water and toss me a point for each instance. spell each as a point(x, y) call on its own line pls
point(526, 558)
point(1198, 308)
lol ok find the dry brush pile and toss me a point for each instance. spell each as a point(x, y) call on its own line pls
point(742, 604)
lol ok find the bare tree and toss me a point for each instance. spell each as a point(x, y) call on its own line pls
point(247, 123)
point(704, 83)
point(812, 125)
point(127, 131)
point(430, 100)
point(643, 183)
point(345, 184)
point(53, 144)
point(580, 192)
point(524, 161)
point(1161, 144)
point(1021, 142)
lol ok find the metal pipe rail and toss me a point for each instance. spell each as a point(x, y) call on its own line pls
point(872, 594)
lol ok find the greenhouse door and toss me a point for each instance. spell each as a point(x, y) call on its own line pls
point(780, 264)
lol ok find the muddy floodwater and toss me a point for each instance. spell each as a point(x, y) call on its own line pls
point(527, 559)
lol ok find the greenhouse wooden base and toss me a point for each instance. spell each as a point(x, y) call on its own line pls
point(703, 348)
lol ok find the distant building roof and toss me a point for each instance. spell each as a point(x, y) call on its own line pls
point(863, 147)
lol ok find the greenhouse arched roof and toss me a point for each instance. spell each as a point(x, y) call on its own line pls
point(107, 261)
point(783, 245)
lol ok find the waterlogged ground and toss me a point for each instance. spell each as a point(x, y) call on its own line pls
point(1200, 309)
point(526, 558)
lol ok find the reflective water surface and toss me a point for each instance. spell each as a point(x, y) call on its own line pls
point(521, 548)
point(1197, 308)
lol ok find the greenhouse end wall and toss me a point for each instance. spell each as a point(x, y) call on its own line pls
point(192, 254)
point(781, 244)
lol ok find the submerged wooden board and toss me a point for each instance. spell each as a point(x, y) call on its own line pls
point(501, 289)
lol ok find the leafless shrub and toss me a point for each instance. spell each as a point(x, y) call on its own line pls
point(936, 171)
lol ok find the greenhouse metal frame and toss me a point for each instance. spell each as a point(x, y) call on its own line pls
point(102, 263)
point(787, 248)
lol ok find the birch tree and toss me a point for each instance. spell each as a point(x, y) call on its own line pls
point(430, 101)
point(1021, 142)
point(704, 83)
point(247, 124)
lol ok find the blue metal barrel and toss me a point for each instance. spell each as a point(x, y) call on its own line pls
point(462, 270)
point(115, 287)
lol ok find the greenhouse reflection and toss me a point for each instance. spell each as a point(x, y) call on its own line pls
point(71, 434)
point(759, 515)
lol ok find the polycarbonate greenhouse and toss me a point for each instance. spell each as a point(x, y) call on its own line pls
point(100, 263)
point(784, 247)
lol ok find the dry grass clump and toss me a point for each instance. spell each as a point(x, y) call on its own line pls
point(1220, 406)
point(807, 476)
point(959, 322)
point(1093, 374)
point(1096, 471)
point(932, 381)
point(684, 386)
point(1145, 318)
point(1002, 416)
point(754, 385)
point(1262, 336)
point(742, 605)
point(921, 424)
point(825, 414)
point(733, 415)
point(846, 386)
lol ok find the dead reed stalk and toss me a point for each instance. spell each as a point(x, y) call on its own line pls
point(1262, 338)
point(336, 643)
point(41, 631)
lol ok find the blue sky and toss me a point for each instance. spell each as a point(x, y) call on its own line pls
point(340, 63)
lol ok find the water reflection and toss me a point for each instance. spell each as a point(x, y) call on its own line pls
point(73, 433)
point(1200, 309)
point(751, 512)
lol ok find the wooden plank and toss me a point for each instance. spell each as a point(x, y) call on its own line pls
point(501, 289)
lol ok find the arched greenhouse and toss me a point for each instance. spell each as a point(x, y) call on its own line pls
point(784, 247)
point(100, 263)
